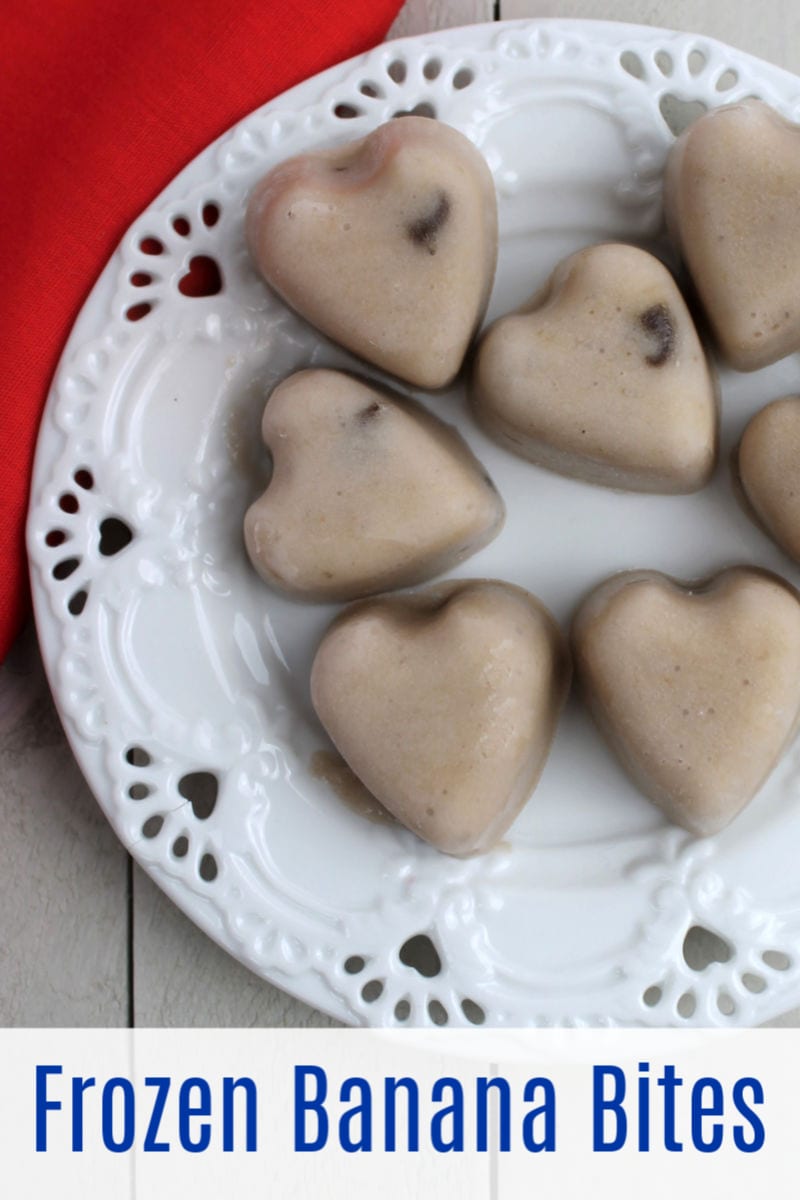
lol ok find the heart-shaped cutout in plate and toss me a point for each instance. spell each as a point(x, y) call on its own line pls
point(203, 278)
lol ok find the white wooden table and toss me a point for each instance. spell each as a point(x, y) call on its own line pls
point(85, 937)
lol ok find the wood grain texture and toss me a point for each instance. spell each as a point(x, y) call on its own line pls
point(64, 917)
point(770, 31)
point(420, 16)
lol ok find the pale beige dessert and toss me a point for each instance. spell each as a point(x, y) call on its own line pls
point(731, 188)
point(388, 244)
point(444, 704)
point(368, 492)
point(696, 686)
point(602, 376)
point(768, 462)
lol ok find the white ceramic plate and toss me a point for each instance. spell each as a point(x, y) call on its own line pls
point(170, 659)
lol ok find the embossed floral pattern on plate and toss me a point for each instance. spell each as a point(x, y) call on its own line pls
point(170, 661)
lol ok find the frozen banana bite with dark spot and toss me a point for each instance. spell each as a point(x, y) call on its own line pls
point(730, 196)
point(368, 491)
point(602, 376)
point(388, 245)
point(444, 704)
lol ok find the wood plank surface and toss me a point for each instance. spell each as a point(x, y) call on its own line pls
point(420, 16)
point(770, 31)
point(64, 917)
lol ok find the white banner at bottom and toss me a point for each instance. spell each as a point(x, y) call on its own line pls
point(146, 1114)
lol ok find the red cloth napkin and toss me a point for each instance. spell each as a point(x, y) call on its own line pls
point(103, 101)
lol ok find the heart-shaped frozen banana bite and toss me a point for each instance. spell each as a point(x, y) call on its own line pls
point(769, 471)
point(731, 188)
point(444, 704)
point(367, 492)
point(388, 244)
point(602, 376)
point(696, 687)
